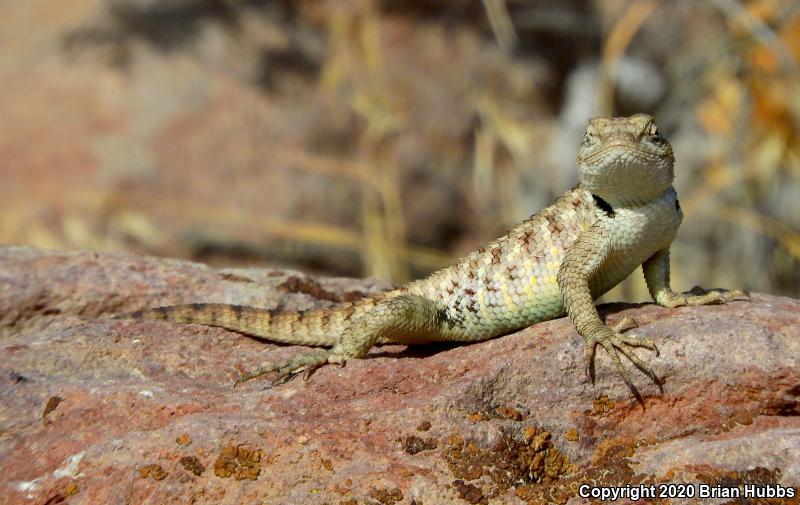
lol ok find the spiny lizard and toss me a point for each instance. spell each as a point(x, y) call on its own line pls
point(624, 213)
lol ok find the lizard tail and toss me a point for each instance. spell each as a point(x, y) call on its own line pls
point(314, 327)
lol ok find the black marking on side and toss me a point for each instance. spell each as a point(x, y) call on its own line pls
point(603, 205)
point(442, 319)
point(677, 204)
point(197, 307)
point(163, 312)
point(237, 310)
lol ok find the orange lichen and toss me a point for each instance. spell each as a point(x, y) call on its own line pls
point(386, 496)
point(511, 462)
point(424, 426)
point(602, 405)
point(71, 488)
point(509, 413)
point(154, 471)
point(52, 403)
point(238, 462)
point(413, 444)
point(192, 464)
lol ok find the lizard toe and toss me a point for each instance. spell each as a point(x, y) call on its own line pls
point(262, 370)
point(699, 296)
point(622, 346)
point(613, 352)
point(626, 323)
point(615, 344)
point(734, 294)
point(588, 359)
point(634, 341)
point(286, 370)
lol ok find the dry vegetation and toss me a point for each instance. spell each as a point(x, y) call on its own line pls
point(385, 138)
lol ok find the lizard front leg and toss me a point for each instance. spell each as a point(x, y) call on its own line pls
point(583, 259)
point(656, 274)
point(402, 314)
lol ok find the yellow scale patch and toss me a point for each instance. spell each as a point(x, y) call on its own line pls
point(532, 283)
point(552, 268)
point(484, 312)
point(498, 277)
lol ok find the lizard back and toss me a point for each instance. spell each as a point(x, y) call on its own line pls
point(510, 283)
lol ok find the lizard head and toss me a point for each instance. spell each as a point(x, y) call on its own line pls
point(625, 160)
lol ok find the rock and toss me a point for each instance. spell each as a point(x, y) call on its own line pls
point(96, 410)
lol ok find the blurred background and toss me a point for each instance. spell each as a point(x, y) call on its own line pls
point(386, 138)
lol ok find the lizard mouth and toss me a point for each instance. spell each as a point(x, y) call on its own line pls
point(620, 151)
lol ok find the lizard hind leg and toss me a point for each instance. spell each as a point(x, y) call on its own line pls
point(389, 319)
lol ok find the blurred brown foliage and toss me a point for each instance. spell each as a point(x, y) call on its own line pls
point(367, 137)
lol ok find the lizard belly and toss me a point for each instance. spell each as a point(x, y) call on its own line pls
point(517, 313)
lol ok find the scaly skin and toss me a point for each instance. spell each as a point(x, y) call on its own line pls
point(623, 214)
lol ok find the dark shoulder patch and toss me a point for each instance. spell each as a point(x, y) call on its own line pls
point(603, 205)
point(197, 307)
point(677, 204)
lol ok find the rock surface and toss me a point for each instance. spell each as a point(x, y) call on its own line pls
point(95, 410)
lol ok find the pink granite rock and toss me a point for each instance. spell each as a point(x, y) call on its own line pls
point(95, 410)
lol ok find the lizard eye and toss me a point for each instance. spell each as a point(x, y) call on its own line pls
point(587, 139)
point(654, 133)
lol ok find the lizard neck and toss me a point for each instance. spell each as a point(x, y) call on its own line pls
point(629, 200)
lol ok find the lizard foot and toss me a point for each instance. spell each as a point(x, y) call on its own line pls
point(287, 369)
point(615, 343)
point(701, 296)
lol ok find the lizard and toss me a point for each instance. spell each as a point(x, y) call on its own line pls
point(623, 213)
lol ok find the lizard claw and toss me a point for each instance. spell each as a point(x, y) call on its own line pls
point(615, 344)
